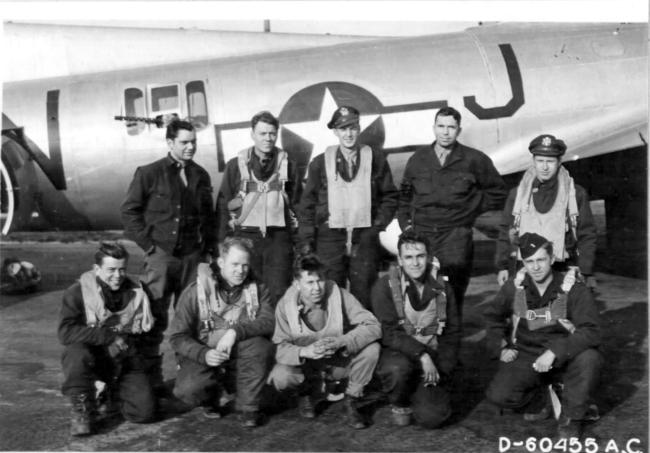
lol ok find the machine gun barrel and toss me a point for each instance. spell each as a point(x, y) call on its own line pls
point(160, 120)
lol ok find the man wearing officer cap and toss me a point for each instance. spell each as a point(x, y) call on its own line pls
point(548, 202)
point(544, 328)
point(348, 199)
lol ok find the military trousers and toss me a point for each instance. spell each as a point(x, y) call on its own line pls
point(272, 259)
point(84, 364)
point(244, 374)
point(360, 267)
point(401, 381)
point(358, 369)
point(516, 382)
point(454, 248)
point(165, 276)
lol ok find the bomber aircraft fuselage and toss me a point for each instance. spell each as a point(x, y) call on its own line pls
point(66, 162)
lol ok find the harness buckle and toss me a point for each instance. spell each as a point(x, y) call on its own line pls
point(418, 331)
point(263, 187)
point(546, 316)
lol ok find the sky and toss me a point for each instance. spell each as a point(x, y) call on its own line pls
point(336, 17)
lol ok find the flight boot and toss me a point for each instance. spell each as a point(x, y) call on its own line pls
point(356, 419)
point(250, 419)
point(107, 400)
point(401, 415)
point(568, 428)
point(81, 420)
point(306, 407)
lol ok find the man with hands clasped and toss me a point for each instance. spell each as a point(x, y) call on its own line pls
point(544, 327)
point(349, 197)
point(323, 333)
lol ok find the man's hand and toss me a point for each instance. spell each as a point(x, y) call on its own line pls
point(314, 351)
point(330, 345)
point(216, 358)
point(429, 370)
point(508, 355)
point(502, 276)
point(544, 362)
point(226, 342)
point(117, 347)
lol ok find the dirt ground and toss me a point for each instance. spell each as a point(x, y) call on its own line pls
point(35, 416)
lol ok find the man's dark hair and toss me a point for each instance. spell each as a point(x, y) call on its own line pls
point(110, 249)
point(265, 117)
point(175, 126)
point(308, 262)
point(411, 237)
point(448, 111)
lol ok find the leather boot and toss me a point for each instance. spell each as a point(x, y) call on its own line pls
point(356, 419)
point(82, 414)
point(250, 419)
point(107, 400)
point(401, 415)
point(568, 428)
point(306, 407)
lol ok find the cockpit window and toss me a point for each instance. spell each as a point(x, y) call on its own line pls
point(164, 99)
point(197, 107)
point(134, 106)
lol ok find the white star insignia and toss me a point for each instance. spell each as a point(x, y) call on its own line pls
point(316, 131)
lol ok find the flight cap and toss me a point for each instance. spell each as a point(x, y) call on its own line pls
point(344, 116)
point(530, 243)
point(547, 145)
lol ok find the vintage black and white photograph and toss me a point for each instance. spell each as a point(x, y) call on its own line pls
point(324, 226)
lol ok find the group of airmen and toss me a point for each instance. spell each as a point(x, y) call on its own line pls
point(279, 287)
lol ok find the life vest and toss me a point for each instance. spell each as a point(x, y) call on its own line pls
point(263, 201)
point(135, 318)
point(424, 325)
point(215, 314)
point(553, 224)
point(349, 203)
point(333, 325)
point(543, 316)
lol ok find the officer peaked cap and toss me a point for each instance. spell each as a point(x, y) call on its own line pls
point(547, 145)
point(344, 116)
